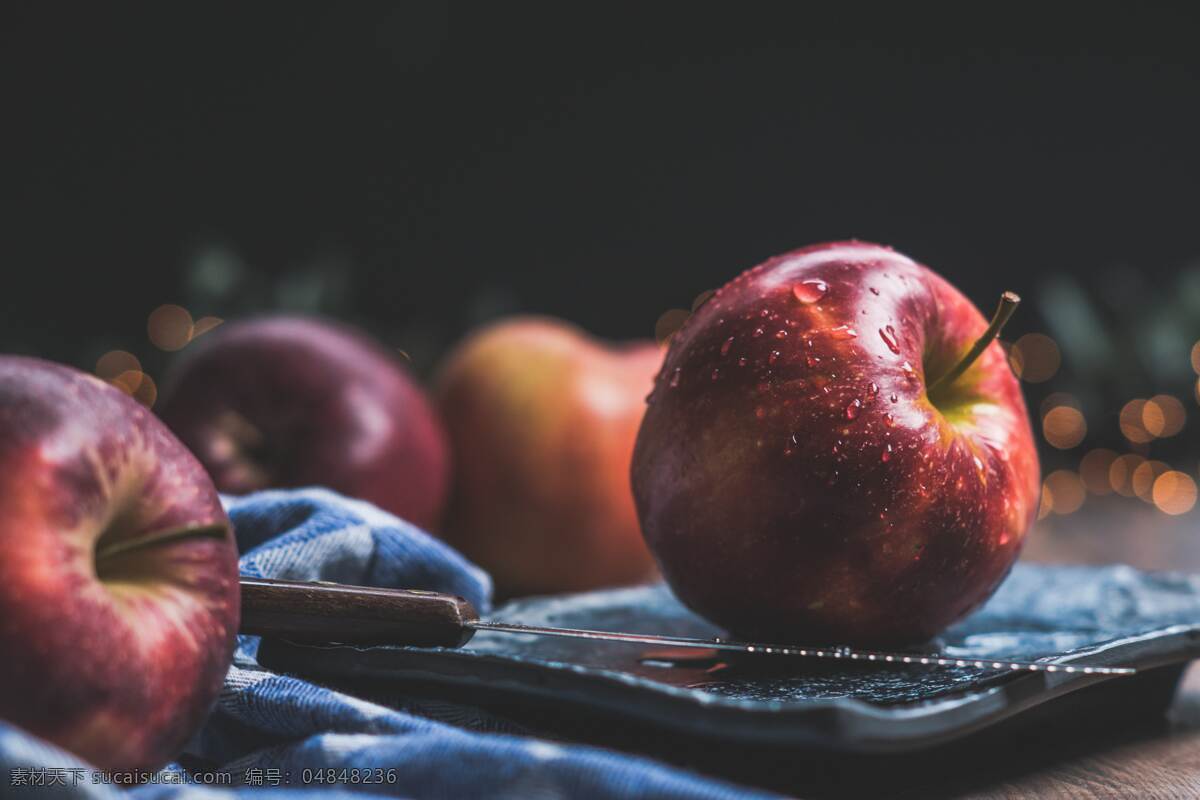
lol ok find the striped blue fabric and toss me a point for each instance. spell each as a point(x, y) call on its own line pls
point(276, 736)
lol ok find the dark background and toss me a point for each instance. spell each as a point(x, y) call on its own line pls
point(420, 167)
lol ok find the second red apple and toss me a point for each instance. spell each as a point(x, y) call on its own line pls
point(542, 420)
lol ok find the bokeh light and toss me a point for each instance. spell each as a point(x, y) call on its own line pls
point(1095, 470)
point(1064, 427)
point(1064, 490)
point(115, 362)
point(1120, 474)
point(1132, 426)
point(1034, 358)
point(1163, 416)
point(137, 385)
point(170, 327)
point(1174, 492)
point(1144, 477)
point(1196, 357)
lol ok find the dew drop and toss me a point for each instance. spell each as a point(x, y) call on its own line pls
point(843, 332)
point(674, 378)
point(742, 361)
point(781, 334)
point(872, 389)
point(773, 357)
point(874, 291)
point(889, 420)
point(757, 332)
point(853, 408)
point(716, 373)
point(886, 455)
point(889, 338)
point(810, 291)
point(726, 345)
point(893, 398)
point(909, 372)
point(811, 360)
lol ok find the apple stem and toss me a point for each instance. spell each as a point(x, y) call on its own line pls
point(210, 529)
point(1008, 304)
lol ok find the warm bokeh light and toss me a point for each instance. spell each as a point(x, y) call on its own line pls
point(204, 325)
point(1056, 399)
point(138, 385)
point(1174, 492)
point(1064, 427)
point(1120, 474)
point(1047, 504)
point(1034, 358)
point(1132, 427)
point(1095, 469)
point(170, 327)
point(1144, 477)
point(1196, 357)
point(1065, 491)
point(114, 362)
point(1163, 415)
point(670, 321)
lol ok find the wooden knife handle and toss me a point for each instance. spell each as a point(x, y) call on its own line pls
point(319, 612)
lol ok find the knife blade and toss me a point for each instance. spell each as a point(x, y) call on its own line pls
point(322, 612)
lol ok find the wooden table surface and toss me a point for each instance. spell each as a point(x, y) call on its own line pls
point(1156, 758)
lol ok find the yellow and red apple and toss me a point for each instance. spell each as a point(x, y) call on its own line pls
point(542, 420)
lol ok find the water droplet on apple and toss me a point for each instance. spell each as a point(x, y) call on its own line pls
point(810, 291)
point(781, 334)
point(909, 372)
point(811, 360)
point(889, 420)
point(874, 291)
point(716, 373)
point(773, 357)
point(728, 343)
point(742, 361)
point(674, 378)
point(886, 455)
point(894, 398)
point(889, 338)
point(843, 332)
point(757, 332)
point(872, 389)
point(853, 408)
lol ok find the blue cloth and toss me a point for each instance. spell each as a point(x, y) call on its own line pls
point(270, 732)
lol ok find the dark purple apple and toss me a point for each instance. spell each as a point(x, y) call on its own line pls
point(814, 468)
point(118, 584)
point(293, 401)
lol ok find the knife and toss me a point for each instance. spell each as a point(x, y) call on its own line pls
point(322, 612)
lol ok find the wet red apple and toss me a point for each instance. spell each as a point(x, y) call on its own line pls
point(828, 457)
point(542, 421)
point(118, 583)
point(287, 401)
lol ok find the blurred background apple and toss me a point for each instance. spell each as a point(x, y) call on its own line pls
point(292, 401)
point(542, 421)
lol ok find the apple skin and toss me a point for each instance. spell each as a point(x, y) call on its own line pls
point(117, 659)
point(542, 421)
point(793, 478)
point(286, 402)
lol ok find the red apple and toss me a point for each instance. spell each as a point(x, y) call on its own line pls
point(796, 477)
point(542, 422)
point(293, 401)
point(118, 585)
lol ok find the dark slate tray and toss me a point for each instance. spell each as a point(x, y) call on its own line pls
point(608, 692)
